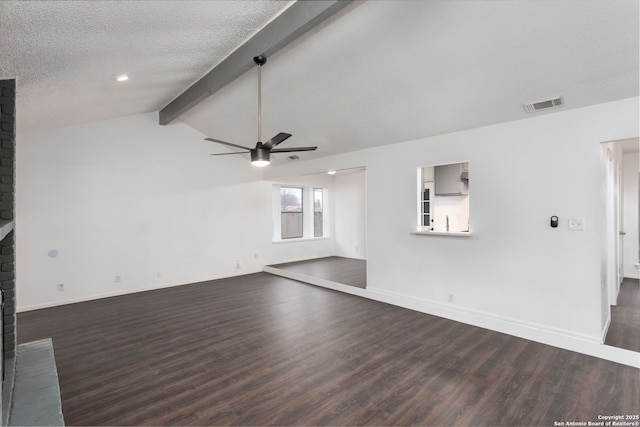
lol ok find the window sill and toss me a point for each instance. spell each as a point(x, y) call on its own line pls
point(443, 233)
point(302, 239)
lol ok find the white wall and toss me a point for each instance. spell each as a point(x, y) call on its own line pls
point(455, 208)
point(130, 198)
point(630, 215)
point(350, 214)
point(515, 273)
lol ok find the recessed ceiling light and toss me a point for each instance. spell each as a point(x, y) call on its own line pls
point(122, 77)
point(331, 172)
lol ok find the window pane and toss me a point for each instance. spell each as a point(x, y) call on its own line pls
point(317, 199)
point(291, 212)
point(317, 212)
point(291, 199)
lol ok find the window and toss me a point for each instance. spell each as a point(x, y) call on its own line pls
point(291, 213)
point(300, 212)
point(317, 212)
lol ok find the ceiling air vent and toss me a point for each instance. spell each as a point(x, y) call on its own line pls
point(544, 104)
point(294, 157)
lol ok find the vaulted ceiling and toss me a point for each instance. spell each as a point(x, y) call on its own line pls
point(378, 72)
point(67, 54)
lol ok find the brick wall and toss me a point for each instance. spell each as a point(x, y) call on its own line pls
point(7, 212)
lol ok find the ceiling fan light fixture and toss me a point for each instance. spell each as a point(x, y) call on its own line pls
point(260, 157)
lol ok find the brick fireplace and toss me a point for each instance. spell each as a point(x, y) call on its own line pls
point(7, 242)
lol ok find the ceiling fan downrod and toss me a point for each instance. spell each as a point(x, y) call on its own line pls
point(260, 60)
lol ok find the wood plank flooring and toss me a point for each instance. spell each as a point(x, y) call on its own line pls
point(265, 350)
point(624, 331)
point(348, 271)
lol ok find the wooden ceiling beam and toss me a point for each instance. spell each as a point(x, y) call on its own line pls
point(296, 20)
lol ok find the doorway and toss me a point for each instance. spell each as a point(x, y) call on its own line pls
point(347, 264)
point(621, 243)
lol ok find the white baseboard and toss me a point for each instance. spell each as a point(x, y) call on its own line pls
point(316, 281)
point(568, 340)
point(580, 343)
point(585, 344)
point(21, 309)
point(302, 259)
point(605, 329)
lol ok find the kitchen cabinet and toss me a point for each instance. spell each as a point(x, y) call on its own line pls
point(452, 179)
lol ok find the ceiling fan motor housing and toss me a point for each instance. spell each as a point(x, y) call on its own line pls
point(260, 154)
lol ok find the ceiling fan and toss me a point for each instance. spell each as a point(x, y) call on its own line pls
point(261, 153)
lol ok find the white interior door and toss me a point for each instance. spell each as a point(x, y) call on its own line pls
point(612, 231)
point(620, 233)
point(631, 236)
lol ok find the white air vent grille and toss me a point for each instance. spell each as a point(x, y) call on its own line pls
point(545, 104)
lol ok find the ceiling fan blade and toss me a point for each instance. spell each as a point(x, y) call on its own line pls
point(226, 154)
point(227, 143)
point(276, 140)
point(291, 150)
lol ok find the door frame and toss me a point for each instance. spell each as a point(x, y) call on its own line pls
point(612, 258)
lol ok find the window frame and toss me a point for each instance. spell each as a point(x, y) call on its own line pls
point(308, 212)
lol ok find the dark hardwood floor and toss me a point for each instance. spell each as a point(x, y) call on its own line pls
point(348, 271)
point(265, 350)
point(624, 330)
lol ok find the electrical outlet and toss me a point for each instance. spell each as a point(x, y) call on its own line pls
point(238, 265)
point(576, 224)
point(158, 273)
point(451, 298)
point(117, 279)
point(60, 287)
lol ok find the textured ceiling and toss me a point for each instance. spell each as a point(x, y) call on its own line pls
point(378, 73)
point(392, 71)
point(66, 54)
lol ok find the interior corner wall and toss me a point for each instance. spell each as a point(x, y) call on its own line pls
point(124, 205)
point(350, 215)
point(514, 273)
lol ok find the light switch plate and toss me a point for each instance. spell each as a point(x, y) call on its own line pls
point(576, 224)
